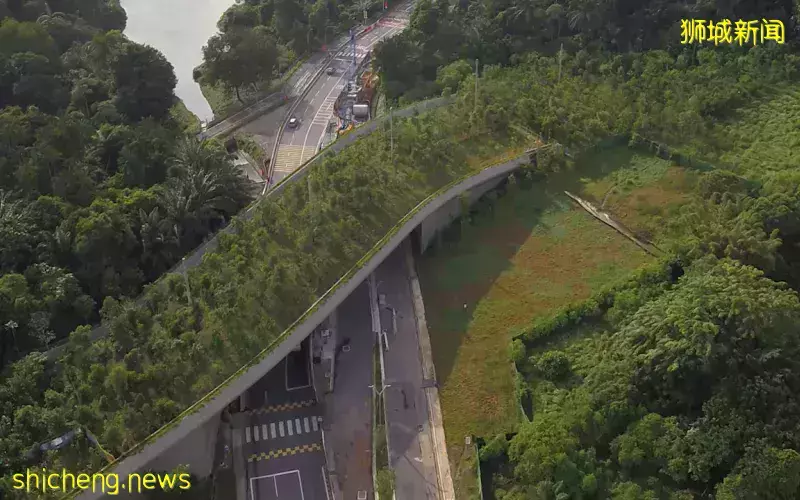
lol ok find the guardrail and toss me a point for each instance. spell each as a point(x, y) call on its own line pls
point(216, 400)
point(355, 134)
point(245, 116)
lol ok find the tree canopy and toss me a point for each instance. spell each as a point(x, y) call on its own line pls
point(100, 190)
point(259, 39)
point(692, 390)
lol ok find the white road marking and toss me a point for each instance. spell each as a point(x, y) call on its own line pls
point(280, 428)
point(247, 434)
point(314, 423)
point(324, 481)
point(264, 431)
point(272, 429)
point(289, 427)
point(305, 140)
point(299, 482)
point(297, 426)
point(255, 432)
point(305, 424)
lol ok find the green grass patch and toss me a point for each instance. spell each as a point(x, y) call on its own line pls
point(637, 188)
point(223, 100)
point(532, 253)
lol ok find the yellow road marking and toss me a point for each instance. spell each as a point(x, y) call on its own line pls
point(290, 157)
point(283, 407)
point(285, 452)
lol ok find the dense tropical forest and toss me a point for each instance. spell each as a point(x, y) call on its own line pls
point(691, 387)
point(101, 191)
point(445, 37)
point(260, 39)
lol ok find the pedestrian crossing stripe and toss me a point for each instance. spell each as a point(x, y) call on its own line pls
point(290, 157)
point(291, 427)
point(285, 452)
point(283, 407)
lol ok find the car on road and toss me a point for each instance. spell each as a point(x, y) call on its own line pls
point(293, 122)
point(330, 71)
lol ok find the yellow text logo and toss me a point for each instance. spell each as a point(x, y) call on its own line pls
point(724, 31)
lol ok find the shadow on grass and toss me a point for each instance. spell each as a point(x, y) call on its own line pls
point(476, 249)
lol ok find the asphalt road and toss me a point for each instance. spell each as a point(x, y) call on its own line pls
point(282, 443)
point(315, 112)
point(351, 405)
point(410, 444)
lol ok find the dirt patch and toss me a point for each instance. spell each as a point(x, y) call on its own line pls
point(642, 209)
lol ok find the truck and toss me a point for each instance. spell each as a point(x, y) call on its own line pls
point(361, 111)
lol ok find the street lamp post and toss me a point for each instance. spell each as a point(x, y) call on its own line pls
point(391, 133)
point(377, 392)
point(476, 84)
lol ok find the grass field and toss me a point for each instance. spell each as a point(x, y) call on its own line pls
point(533, 253)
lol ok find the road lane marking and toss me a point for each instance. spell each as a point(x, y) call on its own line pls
point(296, 405)
point(264, 431)
point(289, 429)
point(314, 423)
point(255, 433)
point(289, 158)
point(305, 141)
point(299, 483)
point(297, 426)
point(305, 424)
point(247, 434)
point(280, 428)
point(284, 452)
point(272, 429)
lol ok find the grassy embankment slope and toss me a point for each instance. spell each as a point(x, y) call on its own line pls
point(534, 253)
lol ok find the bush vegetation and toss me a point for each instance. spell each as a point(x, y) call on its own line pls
point(690, 386)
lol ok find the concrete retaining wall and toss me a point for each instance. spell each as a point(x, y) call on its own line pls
point(434, 224)
point(196, 451)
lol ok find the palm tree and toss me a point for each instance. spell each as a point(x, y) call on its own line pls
point(363, 6)
point(556, 13)
point(159, 242)
point(204, 187)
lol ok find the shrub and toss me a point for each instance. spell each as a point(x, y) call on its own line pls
point(516, 351)
point(552, 365)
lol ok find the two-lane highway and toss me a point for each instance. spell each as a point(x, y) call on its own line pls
point(315, 112)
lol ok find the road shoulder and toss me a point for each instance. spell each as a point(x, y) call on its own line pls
point(444, 476)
